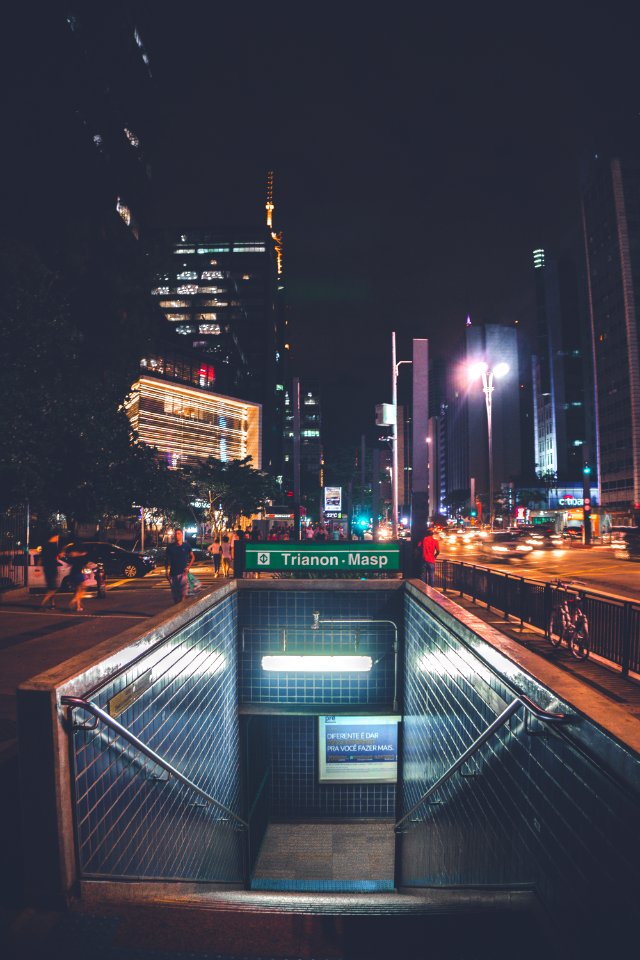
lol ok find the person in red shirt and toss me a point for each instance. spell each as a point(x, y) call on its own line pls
point(430, 550)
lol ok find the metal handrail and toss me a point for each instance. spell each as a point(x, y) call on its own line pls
point(513, 707)
point(100, 714)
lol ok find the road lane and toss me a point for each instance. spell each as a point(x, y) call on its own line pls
point(596, 566)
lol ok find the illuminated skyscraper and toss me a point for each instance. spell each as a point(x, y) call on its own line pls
point(560, 371)
point(222, 292)
point(611, 224)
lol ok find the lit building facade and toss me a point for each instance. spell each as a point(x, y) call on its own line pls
point(222, 293)
point(611, 225)
point(559, 371)
point(310, 434)
point(187, 425)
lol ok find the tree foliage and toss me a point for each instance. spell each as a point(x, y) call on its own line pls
point(231, 489)
point(69, 359)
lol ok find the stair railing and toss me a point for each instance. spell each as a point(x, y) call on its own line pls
point(520, 701)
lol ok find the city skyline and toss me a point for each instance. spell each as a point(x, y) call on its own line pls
point(415, 170)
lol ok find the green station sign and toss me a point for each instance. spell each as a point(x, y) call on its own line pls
point(306, 557)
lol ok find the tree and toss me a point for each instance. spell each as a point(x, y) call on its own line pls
point(71, 343)
point(231, 489)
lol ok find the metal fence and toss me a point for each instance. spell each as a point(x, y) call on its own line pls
point(14, 534)
point(614, 625)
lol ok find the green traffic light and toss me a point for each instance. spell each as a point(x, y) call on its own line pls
point(586, 469)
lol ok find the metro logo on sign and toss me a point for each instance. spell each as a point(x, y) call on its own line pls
point(264, 559)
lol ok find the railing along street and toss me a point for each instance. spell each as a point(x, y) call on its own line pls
point(614, 624)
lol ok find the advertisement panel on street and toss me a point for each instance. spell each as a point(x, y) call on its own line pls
point(333, 500)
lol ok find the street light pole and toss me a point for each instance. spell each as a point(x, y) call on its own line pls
point(487, 374)
point(487, 388)
point(394, 440)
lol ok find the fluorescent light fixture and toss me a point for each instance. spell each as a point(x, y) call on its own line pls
point(287, 662)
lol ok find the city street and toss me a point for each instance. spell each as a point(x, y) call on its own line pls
point(33, 639)
point(595, 565)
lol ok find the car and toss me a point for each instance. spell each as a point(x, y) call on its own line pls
point(505, 544)
point(116, 561)
point(626, 544)
point(544, 539)
point(36, 578)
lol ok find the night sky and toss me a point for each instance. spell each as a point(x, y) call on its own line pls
point(418, 162)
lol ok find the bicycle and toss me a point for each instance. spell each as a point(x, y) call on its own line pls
point(568, 621)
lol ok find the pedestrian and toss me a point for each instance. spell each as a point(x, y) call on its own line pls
point(216, 552)
point(227, 556)
point(178, 560)
point(49, 557)
point(430, 548)
point(76, 557)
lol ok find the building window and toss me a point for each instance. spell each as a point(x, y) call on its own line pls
point(190, 288)
point(124, 211)
point(188, 275)
point(213, 328)
point(161, 291)
point(131, 137)
point(210, 275)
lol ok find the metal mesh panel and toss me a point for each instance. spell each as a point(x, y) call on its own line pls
point(132, 819)
point(530, 807)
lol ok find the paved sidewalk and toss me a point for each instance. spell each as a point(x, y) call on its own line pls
point(594, 672)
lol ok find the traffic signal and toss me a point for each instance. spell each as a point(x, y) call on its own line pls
point(586, 469)
point(473, 513)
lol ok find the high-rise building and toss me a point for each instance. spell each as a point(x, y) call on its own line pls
point(222, 293)
point(560, 371)
point(310, 437)
point(81, 77)
point(611, 225)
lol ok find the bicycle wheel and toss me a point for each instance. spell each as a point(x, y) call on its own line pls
point(579, 643)
point(555, 630)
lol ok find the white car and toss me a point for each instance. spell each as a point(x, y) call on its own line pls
point(36, 577)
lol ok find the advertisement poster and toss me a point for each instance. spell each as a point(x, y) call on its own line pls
point(358, 749)
point(333, 499)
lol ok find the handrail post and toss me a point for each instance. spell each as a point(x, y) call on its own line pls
point(626, 639)
point(546, 606)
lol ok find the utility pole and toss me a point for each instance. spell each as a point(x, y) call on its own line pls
point(295, 400)
point(586, 495)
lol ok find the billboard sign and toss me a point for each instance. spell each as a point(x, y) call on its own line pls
point(358, 749)
point(333, 500)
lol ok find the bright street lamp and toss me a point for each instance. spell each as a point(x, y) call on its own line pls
point(484, 371)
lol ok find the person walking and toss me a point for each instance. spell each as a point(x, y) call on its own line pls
point(227, 556)
point(216, 552)
point(430, 549)
point(179, 558)
point(76, 557)
point(49, 556)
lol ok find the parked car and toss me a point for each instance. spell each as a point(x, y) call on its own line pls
point(116, 561)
